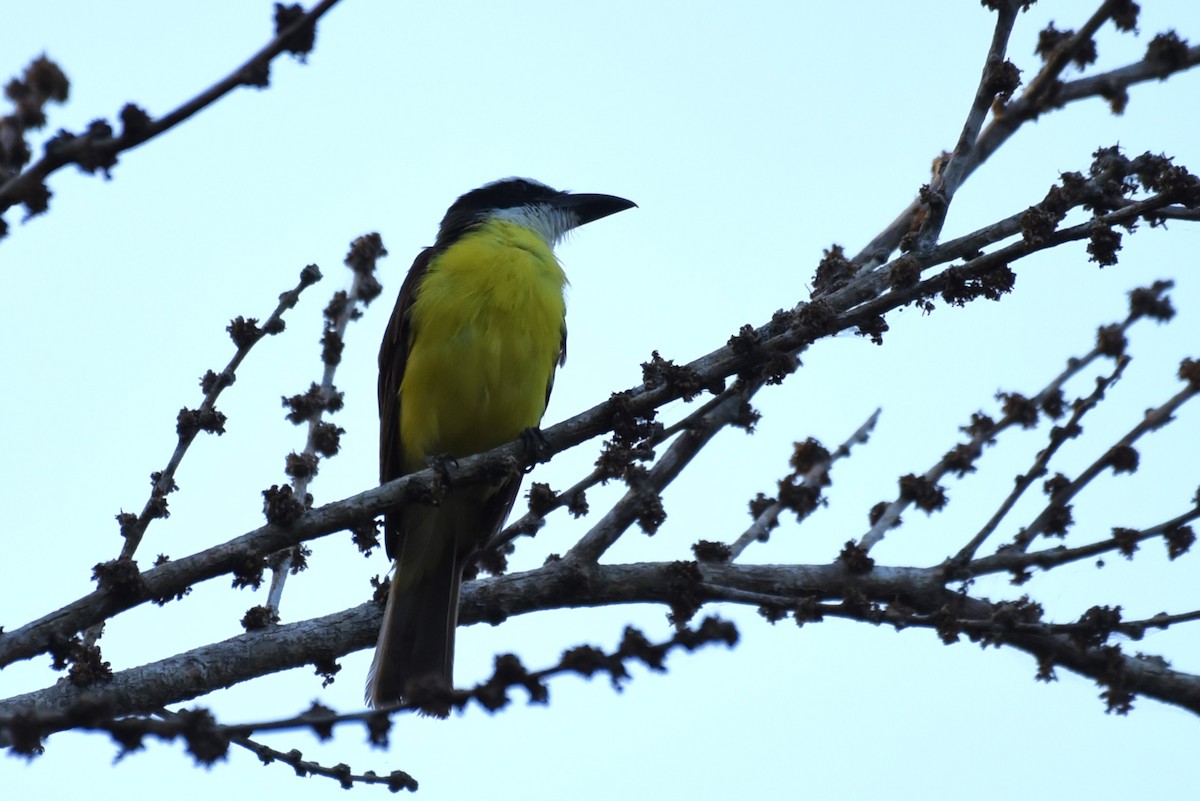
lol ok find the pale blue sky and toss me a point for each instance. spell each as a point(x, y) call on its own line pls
point(751, 136)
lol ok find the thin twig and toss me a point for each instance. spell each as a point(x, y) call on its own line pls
point(1011, 560)
point(88, 149)
point(952, 174)
point(31, 724)
point(1025, 480)
point(686, 446)
point(871, 289)
point(165, 480)
point(1010, 120)
point(816, 477)
point(398, 780)
point(364, 288)
point(981, 436)
point(1042, 85)
point(1153, 420)
point(529, 523)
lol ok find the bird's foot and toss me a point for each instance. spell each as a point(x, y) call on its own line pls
point(536, 448)
point(441, 463)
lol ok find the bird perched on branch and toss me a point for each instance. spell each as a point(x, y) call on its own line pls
point(466, 364)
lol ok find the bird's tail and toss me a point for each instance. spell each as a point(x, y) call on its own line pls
point(416, 640)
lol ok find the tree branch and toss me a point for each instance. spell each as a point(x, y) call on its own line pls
point(98, 148)
point(905, 593)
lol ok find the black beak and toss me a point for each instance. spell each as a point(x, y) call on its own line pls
point(589, 208)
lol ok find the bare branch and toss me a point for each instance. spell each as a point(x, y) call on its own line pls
point(1059, 436)
point(815, 478)
point(323, 438)
point(1009, 119)
point(98, 149)
point(1153, 420)
point(642, 501)
point(998, 78)
point(914, 596)
point(246, 334)
point(1011, 560)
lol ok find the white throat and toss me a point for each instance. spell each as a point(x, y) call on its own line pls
point(546, 221)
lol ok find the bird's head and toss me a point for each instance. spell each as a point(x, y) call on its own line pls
point(530, 204)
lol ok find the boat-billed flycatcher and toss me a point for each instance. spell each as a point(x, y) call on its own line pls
point(467, 364)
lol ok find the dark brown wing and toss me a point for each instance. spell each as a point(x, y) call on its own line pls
point(393, 356)
point(561, 360)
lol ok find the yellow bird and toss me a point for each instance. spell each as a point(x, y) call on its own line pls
point(466, 364)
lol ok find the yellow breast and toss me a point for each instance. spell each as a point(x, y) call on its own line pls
point(486, 328)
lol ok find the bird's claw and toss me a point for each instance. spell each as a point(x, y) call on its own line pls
point(537, 449)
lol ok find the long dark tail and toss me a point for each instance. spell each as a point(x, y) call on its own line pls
point(416, 640)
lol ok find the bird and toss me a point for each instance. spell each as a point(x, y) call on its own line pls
point(466, 364)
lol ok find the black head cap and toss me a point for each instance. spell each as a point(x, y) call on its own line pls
point(507, 193)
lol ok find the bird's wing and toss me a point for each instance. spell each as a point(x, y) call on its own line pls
point(559, 360)
point(393, 357)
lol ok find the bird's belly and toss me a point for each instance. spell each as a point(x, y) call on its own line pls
point(473, 391)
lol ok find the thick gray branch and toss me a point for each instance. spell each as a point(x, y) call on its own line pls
point(918, 591)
